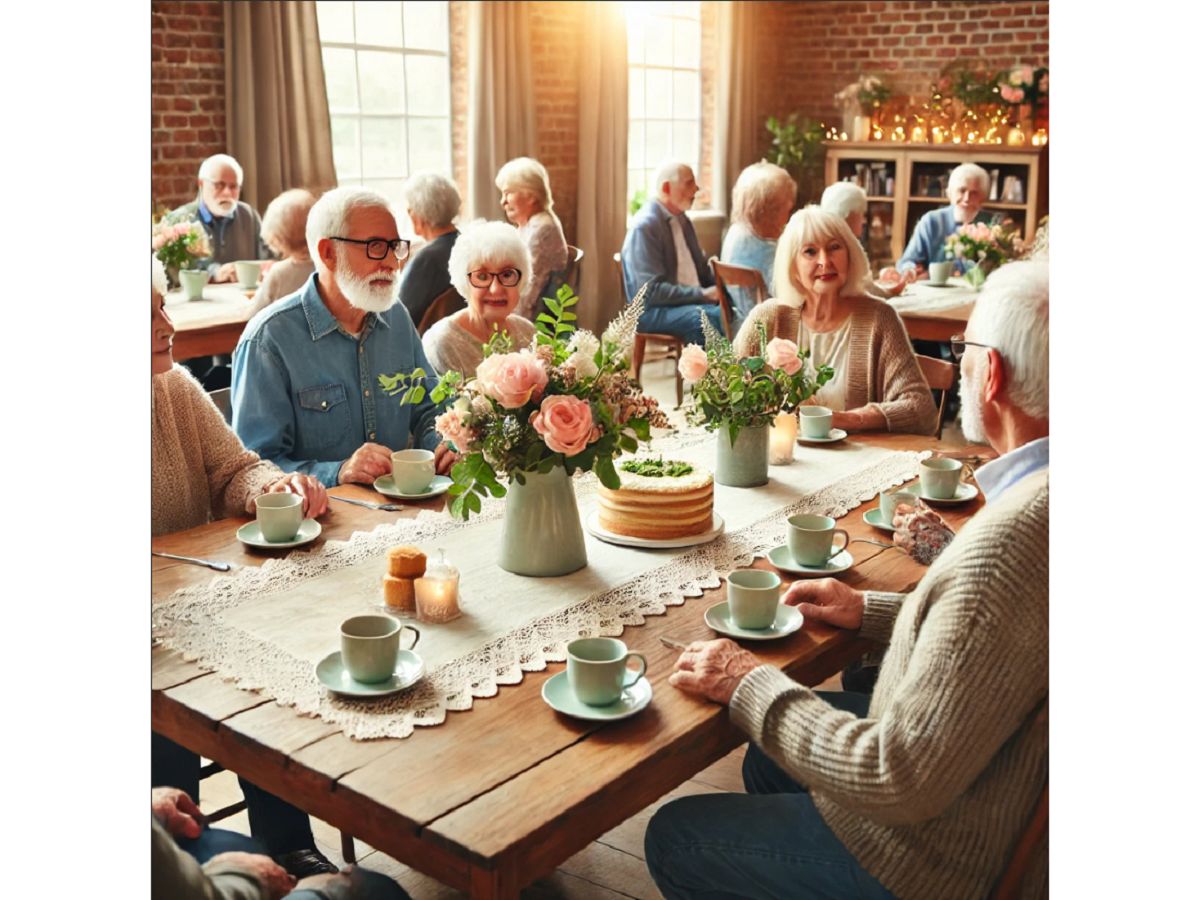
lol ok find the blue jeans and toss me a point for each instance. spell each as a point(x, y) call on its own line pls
point(681, 321)
point(771, 842)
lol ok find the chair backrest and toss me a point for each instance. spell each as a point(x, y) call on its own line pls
point(941, 376)
point(221, 397)
point(571, 273)
point(621, 276)
point(443, 304)
point(728, 275)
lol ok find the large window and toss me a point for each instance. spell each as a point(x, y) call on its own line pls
point(387, 76)
point(664, 88)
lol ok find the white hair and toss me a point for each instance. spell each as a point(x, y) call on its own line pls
point(842, 198)
point(330, 215)
point(814, 224)
point(284, 220)
point(969, 173)
point(158, 275)
point(760, 190)
point(529, 175)
point(671, 171)
point(1012, 314)
point(491, 244)
point(432, 197)
point(218, 160)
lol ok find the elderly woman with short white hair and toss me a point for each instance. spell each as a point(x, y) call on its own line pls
point(848, 201)
point(488, 266)
point(820, 276)
point(283, 231)
point(525, 195)
point(966, 189)
point(433, 204)
point(763, 197)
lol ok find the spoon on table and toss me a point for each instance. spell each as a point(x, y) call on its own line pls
point(219, 566)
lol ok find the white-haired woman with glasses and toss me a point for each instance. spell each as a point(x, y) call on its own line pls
point(283, 231)
point(763, 197)
point(488, 266)
point(525, 195)
point(820, 276)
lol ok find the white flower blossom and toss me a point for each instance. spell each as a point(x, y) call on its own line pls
point(584, 364)
point(583, 342)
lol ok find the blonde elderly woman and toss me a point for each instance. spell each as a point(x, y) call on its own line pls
point(199, 469)
point(820, 273)
point(487, 266)
point(763, 198)
point(528, 204)
point(433, 203)
point(283, 231)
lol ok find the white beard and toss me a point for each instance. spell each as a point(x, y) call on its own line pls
point(972, 411)
point(360, 292)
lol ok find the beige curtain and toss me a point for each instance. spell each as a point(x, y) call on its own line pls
point(736, 140)
point(603, 153)
point(500, 110)
point(276, 112)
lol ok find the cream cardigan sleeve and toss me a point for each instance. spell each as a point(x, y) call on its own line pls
point(906, 403)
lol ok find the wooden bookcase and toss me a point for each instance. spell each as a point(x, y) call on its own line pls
point(917, 170)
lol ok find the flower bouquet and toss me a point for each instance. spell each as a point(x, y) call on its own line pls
point(860, 101)
point(982, 248)
point(179, 244)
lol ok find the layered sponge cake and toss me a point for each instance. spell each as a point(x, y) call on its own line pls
point(658, 500)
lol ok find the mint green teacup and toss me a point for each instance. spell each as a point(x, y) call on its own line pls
point(753, 596)
point(939, 272)
point(412, 470)
point(810, 539)
point(815, 421)
point(597, 672)
point(889, 500)
point(370, 646)
point(193, 282)
point(248, 272)
point(940, 476)
point(279, 516)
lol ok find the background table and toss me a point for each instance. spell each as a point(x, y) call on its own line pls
point(210, 326)
point(498, 796)
point(935, 313)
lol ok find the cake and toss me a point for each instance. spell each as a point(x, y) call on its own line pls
point(658, 500)
point(400, 593)
point(406, 562)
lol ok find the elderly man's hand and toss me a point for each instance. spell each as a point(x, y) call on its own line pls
point(273, 878)
point(366, 464)
point(311, 491)
point(827, 600)
point(920, 532)
point(710, 294)
point(227, 272)
point(176, 812)
point(713, 669)
point(444, 458)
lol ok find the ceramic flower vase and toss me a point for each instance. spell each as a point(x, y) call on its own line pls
point(193, 281)
point(542, 535)
point(744, 462)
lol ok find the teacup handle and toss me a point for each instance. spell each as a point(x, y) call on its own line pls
point(968, 471)
point(845, 543)
point(416, 634)
point(641, 670)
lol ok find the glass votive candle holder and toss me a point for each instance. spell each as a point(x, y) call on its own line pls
point(437, 592)
point(782, 439)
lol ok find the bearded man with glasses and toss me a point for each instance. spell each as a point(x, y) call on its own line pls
point(306, 369)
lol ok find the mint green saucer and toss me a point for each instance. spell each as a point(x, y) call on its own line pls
point(558, 695)
point(331, 673)
point(251, 535)
point(387, 486)
point(788, 620)
point(781, 558)
point(874, 518)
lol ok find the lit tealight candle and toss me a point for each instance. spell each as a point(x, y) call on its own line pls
point(437, 592)
point(782, 439)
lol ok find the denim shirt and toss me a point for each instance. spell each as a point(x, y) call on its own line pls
point(648, 256)
point(928, 243)
point(742, 247)
point(306, 394)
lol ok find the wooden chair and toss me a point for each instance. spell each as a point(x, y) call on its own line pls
point(728, 275)
point(668, 342)
point(443, 304)
point(1009, 885)
point(941, 376)
point(221, 397)
point(571, 274)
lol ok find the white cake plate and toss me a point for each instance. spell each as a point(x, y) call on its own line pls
point(593, 527)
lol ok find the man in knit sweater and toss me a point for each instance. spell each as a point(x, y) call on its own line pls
point(923, 789)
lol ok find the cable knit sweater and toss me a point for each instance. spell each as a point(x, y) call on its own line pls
point(931, 791)
point(199, 469)
point(883, 371)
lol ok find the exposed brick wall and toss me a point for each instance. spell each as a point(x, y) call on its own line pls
point(458, 92)
point(555, 42)
point(187, 95)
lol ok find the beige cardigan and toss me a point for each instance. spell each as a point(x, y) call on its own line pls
point(932, 789)
point(199, 469)
point(883, 370)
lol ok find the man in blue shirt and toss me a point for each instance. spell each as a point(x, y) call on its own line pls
point(306, 370)
point(967, 187)
point(661, 248)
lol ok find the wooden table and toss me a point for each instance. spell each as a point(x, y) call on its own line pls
point(210, 326)
point(956, 300)
point(498, 796)
point(937, 326)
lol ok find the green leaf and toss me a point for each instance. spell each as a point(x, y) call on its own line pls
point(607, 473)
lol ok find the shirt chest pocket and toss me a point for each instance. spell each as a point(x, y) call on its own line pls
point(324, 416)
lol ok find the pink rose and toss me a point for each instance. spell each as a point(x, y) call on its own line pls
point(512, 379)
point(451, 426)
point(565, 424)
point(1026, 73)
point(783, 354)
point(693, 362)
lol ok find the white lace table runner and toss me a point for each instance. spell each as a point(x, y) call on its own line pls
point(920, 296)
point(266, 627)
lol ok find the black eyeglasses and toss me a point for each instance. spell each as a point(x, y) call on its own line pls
point(377, 248)
point(959, 344)
point(481, 278)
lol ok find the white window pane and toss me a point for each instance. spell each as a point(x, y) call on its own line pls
point(689, 9)
point(636, 35)
point(378, 23)
point(687, 44)
point(637, 135)
point(426, 25)
point(335, 21)
point(393, 189)
point(428, 85)
point(637, 93)
point(659, 8)
point(344, 130)
point(686, 143)
point(382, 77)
point(658, 143)
point(384, 148)
point(687, 95)
point(429, 144)
point(341, 80)
point(658, 40)
point(658, 93)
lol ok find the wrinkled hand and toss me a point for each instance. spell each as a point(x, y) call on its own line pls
point(273, 877)
point(710, 294)
point(920, 532)
point(312, 493)
point(176, 812)
point(827, 600)
point(713, 669)
point(444, 458)
point(366, 464)
point(227, 272)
